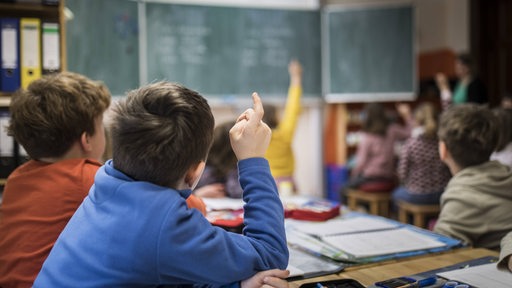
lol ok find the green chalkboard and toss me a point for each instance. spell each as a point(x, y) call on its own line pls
point(230, 52)
point(370, 53)
point(102, 42)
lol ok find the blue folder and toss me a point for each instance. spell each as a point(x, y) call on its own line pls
point(10, 54)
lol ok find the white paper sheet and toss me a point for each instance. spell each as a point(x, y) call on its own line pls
point(368, 244)
point(486, 275)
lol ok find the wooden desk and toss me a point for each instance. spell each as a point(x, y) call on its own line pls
point(371, 273)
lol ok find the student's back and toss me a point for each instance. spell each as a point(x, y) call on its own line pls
point(58, 120)
point(476, 205)
point(375, 155)
point(422, 174)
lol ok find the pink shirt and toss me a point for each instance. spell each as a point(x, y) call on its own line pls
point(375, 156)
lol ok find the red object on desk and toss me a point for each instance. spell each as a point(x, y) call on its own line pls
point(314, 210)
point(226, 218)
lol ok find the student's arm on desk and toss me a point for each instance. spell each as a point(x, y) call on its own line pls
point(505, 261)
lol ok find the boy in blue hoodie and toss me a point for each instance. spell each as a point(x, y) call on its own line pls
point(134, 228)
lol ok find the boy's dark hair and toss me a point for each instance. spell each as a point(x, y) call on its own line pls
point(470, 133)
point(505, 119)
point(375, 121)
point(54, 111)
point(222, 158)
point(159, 131)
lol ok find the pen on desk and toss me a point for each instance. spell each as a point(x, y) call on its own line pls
point(319, 285)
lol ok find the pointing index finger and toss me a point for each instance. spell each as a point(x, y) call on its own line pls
point(258, 109)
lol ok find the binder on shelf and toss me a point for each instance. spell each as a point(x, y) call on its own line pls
point(51, 50)
point(7, 155)
point(30, 47)
point(9, 53)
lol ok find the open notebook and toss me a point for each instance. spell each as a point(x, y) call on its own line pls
point(365, 238)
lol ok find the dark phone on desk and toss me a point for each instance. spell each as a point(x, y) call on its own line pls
point(395, 282)
point(341, 283)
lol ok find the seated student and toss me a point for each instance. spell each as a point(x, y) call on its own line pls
point(134, 228)
point(59, 121)
point(503, 152)
point(505, 261)
point(476, 205)
point(422, 174)
point(280, 153)
point(375, 156)
point(220, 176)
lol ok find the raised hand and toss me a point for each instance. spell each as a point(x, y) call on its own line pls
point(250, 136)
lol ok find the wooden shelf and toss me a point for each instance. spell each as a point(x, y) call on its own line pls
point(29, 10)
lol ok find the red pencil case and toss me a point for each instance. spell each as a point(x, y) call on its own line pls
point(315, 210)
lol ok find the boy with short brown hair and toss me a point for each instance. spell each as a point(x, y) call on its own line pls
point(58, 119)
point(476, 205)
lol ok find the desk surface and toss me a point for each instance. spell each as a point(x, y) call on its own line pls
point(371, 273)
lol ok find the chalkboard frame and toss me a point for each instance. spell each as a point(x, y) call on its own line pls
point(351, 97)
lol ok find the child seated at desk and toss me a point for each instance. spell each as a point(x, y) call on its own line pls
point(58, 119)
point(476, 205)
point(422, 174)
point(220, 176)
point(134, 227)
point(375, 155)
point(280, 151)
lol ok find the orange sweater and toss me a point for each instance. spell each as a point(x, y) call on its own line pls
point(38, 200)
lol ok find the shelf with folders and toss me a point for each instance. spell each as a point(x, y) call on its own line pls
point(33, 44)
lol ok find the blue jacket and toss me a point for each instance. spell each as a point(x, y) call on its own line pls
point(130, 233)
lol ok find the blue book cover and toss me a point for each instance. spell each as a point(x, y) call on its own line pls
point(9, 54)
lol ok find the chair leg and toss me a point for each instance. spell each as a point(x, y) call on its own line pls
point(374, 208)
point(402, 215)
point(352, 203)
point(384, 208)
